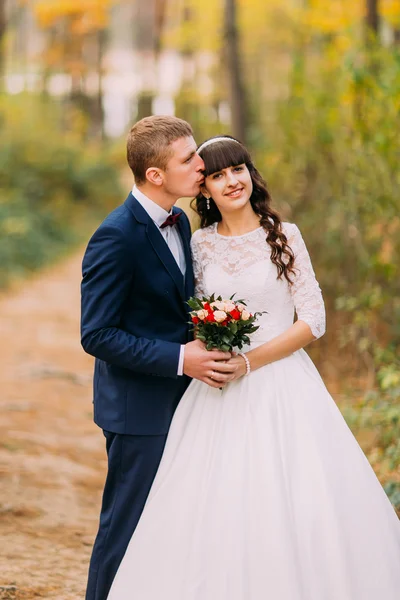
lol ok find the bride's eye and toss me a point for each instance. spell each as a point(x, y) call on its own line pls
point(216, 175)
point(238, 168)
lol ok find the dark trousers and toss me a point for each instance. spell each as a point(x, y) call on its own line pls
point(133, 461)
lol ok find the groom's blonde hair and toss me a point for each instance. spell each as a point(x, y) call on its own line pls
point(149, 143)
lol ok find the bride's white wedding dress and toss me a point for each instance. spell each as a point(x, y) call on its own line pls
point(263, 492)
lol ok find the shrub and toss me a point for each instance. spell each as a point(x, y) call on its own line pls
point(52, 183)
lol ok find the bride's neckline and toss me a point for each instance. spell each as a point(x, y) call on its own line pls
point(232, 237)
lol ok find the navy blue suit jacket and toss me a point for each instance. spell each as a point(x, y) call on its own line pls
point(134, 320)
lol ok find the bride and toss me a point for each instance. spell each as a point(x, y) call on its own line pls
point(263, 492)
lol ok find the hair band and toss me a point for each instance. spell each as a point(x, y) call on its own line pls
point(214, 140)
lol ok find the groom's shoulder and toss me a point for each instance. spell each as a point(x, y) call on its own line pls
point(119, 227)
point(120, 219)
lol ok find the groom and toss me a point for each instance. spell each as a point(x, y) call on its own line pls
point(137, 275)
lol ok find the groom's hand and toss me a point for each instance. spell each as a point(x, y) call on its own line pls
point(208, 365)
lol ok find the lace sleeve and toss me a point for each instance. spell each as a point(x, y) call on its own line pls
point(306, 293)
point(197, 263)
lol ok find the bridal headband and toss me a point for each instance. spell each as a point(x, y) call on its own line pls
point(213, 140)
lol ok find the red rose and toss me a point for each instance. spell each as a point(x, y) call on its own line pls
point(235, 314)
point(210, 317)
point(207, 307)
point(195, 320)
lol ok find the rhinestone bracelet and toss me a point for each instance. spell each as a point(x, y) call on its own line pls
point(246, 360)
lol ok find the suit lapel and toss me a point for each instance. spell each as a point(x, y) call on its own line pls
point(165, 255)
point(185, 237)
point(158, 243)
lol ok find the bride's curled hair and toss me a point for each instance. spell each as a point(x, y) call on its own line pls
point(229, 152)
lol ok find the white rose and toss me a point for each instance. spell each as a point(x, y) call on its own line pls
point(245, 315)
point(241, 307)
point(229, 307)
point(202, 314)
point(218, 305)
point(220, 315)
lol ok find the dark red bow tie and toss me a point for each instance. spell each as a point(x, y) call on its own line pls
point(171, 220)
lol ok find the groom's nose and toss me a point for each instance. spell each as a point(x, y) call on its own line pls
point(201, 165)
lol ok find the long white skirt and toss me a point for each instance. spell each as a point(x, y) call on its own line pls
point(263, 494)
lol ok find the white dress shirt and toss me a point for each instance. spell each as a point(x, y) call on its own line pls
point(170, 234)
point(171, 237)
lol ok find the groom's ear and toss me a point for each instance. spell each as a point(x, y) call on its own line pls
point(154, 176)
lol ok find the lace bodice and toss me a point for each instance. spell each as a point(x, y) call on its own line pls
point(242, 265)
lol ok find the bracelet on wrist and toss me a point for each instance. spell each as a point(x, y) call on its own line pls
point(246, 360)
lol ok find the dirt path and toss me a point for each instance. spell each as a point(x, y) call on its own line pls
point(52, 459)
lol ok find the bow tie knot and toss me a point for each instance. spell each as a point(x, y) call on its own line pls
point(171, 220)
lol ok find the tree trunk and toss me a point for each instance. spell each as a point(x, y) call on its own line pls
point(372, 20)
point(98, 116)
point(159, 21)
point(232, 58)
point(3, 27)
point(150, 19)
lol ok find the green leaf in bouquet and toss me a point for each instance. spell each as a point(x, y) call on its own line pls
point(225, 348)
point(210, 345)
point(195, 303)
point(233, 327)
point(253, 328)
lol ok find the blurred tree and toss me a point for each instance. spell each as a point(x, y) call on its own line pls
point(233, 63)
point(194, 30)
point(372, 19)
point(390, 11)
point(76, 35)
point(3, 26)
point(150, 18)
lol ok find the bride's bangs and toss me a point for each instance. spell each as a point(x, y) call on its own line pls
point(222, 155)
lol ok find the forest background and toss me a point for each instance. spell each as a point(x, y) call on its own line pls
point(312, 86)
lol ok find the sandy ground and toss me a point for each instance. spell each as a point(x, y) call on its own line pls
point(52, 457)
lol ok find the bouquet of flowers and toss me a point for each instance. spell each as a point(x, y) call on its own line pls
point(222, 324)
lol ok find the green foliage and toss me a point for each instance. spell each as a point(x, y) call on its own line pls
point(392, 488)
point(376, 422)
point(51, 184)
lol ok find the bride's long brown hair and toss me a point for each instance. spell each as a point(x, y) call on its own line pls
point(229, 153)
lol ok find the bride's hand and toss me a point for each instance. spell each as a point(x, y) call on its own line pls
point(237, 361)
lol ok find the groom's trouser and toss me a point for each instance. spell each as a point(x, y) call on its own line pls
point(133, 461)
